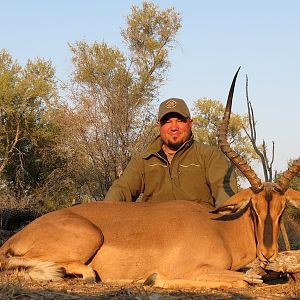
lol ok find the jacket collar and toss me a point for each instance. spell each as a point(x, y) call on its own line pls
point(156, 145)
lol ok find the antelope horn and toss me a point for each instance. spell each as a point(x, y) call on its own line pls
point(287, 176)
point(236, 159)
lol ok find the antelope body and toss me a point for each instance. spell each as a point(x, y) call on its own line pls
point(132, 241)
point(176, 244)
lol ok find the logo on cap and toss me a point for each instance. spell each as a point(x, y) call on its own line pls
point(171, 104)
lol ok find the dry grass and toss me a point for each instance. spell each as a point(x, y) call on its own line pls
point(12, 287)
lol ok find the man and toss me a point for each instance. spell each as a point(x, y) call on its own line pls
point(174, 166)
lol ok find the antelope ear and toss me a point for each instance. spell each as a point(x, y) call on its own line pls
point(293, 197)
point(231, 208)
point(235, 204)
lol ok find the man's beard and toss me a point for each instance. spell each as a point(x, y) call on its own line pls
point(174, 145)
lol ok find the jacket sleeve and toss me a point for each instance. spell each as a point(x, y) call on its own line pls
point(130, 184)
point(221, 177)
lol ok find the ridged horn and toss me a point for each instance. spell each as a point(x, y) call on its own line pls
point(287, 176)
point(236, 159)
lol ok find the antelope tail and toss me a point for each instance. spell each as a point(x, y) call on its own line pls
point(33, 269)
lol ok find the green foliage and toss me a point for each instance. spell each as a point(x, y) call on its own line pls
point(149, 34)
point(208, 115)
point(113, 94)
point(295, 182)
point(28, 136)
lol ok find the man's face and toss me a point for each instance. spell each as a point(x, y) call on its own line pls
point(175, 130)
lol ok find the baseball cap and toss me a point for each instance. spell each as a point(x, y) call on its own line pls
point(173, 105)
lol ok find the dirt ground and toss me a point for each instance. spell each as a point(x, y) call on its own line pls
point(12, 287)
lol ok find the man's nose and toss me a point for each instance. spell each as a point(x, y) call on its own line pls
point(174, 125)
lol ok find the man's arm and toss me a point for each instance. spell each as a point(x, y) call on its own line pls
point(131, 183)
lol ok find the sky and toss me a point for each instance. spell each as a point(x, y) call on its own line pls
point(215, 39)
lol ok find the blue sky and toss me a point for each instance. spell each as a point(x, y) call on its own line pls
point(216, 38)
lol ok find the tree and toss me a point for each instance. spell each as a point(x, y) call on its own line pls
point(10, 132)
point(207, 119)
point(27, 135)
point(113, 94)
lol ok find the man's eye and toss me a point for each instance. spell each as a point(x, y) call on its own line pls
point(182, 120)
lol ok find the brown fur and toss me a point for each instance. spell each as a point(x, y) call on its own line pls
point(176, 243)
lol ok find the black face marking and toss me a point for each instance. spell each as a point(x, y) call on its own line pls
point(269, 195)
point(268, 230)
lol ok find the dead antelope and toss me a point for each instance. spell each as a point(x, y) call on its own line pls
point(176, 244)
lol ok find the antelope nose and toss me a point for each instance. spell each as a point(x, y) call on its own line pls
point(268, 255)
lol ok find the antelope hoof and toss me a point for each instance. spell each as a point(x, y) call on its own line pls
point(90, 280)
point(252, 278)
point(90, 276)
point(150, 281)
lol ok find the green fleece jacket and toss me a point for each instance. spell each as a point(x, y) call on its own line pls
point(197, 172)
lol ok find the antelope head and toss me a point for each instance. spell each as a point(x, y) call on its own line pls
point(266, 200)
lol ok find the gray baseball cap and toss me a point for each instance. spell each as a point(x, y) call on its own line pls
point(173, 105)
